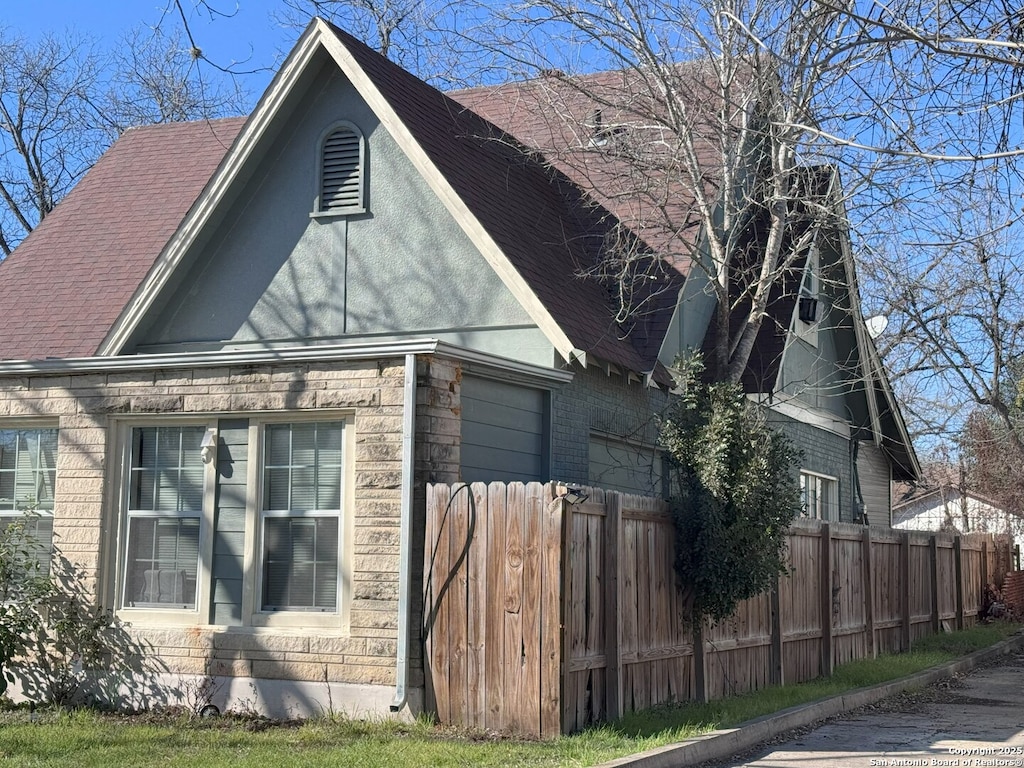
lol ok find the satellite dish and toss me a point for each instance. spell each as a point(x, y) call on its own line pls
point(876, 325)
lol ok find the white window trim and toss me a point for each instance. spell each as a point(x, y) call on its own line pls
point(36, 424)
point(163, 616)
point(252, 613)
point(33, 424)
point(317, 212)
point(252, 616)
point(832, 502)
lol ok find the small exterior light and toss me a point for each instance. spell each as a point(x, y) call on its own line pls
point(208, 446)
point(575, 495)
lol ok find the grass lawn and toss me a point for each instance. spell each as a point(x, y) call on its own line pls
point(90, 740)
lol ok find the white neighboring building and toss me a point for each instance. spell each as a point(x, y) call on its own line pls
point(950, 508)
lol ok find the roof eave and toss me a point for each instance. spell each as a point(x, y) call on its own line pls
point(872, 369)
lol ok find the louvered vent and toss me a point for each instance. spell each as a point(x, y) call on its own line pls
point(341, 185)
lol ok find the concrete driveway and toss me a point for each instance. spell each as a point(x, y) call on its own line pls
point(970, 721)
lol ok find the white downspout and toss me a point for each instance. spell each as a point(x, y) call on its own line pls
point(405, 533)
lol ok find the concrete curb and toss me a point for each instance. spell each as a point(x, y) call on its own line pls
point(720, 745)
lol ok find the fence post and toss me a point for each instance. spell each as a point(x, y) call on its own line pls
point(776, 673)
point(933, 572)
point(568, 700)
point(984, 566)
point(700, 677)
point(905, 633)
point(869, 592)
point(553, 572)
point(825, 579)
point(613, 621)
point(958, 575)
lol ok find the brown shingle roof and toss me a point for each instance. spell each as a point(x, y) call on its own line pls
point(66, 284)
point(92, 253)
point(607, 132)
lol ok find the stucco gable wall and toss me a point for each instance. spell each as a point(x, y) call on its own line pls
point(265, 271)
point(817, 373)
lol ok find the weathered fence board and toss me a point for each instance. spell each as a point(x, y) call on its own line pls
point(543, 617)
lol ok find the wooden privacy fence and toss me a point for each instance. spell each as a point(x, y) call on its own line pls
point(542, 617)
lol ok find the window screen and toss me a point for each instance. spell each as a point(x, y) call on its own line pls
point(301, 509)
point(28, 472)
point(164, 508)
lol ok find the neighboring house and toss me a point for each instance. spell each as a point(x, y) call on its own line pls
point(951, 508)
point(233, 356)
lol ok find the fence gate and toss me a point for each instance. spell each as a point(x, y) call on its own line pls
point(492, 608)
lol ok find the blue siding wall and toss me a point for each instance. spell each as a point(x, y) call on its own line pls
point(504, 434)
point(229, 521)
point(824, 452)
point(597, 404)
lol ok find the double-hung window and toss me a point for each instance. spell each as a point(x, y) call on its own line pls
point(819, 496)
point(166, 487)
point(28, 472)
point(300, 516)
point(237, 521)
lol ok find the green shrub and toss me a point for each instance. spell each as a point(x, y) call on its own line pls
point(734, 494)
point(51, 632)
point(25, 591)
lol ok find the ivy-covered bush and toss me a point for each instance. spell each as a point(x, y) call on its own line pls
point(734, 494)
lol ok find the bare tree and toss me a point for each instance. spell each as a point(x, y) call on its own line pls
point(431, 38)
point(47, 134)
point(738, 119)
point(956, 306)
point(992, 462)
point(63, 101)
point(157, 78)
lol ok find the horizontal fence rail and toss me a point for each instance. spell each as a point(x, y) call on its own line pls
point(542, 617)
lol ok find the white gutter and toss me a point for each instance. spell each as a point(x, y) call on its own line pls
point(405, 534)
point(310, 354)
point(266, 356)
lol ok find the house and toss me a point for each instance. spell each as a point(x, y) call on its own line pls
point(948, 507)
point(234, 355)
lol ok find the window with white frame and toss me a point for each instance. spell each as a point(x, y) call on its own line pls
point(300, 516)
point(28, 473)
point(166, 487)
point(819, 496)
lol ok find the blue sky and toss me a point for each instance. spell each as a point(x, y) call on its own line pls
point(251, 34)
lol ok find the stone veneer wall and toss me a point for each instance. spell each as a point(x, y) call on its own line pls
point(84, 406)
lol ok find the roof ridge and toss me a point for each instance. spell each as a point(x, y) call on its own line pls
point(173, 124)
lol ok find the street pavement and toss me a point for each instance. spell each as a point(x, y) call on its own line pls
point(974, 720)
